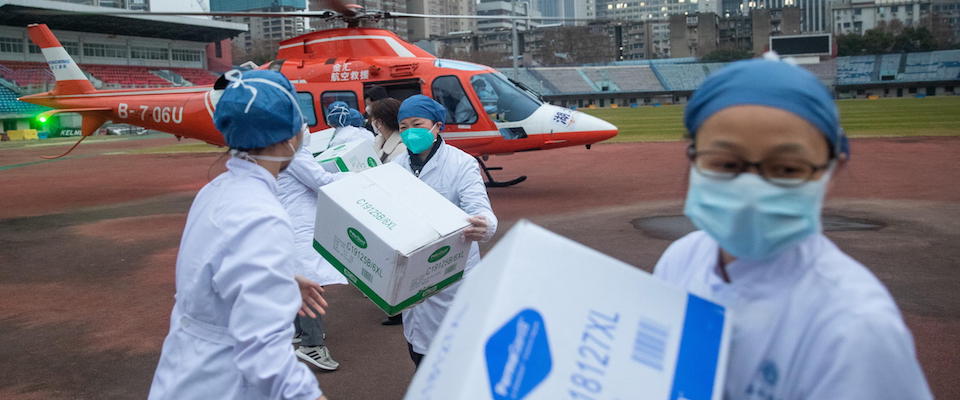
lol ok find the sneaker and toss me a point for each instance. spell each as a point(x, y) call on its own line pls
point(319, 356)
point(297, 339)
point(394, 320)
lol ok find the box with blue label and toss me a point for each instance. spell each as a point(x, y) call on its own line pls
point(545, 318)
point(393, 236)
point(352, 156)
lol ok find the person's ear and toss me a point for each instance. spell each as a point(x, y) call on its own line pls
point(842, 160)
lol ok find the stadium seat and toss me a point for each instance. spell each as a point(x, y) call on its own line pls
point(566, 80)
point(26, 73)
point(10, 104)
point(856, 69)
point(125, 76)
point(680, 76)
point(195, 76)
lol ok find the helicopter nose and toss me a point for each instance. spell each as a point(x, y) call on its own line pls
point(593, 124)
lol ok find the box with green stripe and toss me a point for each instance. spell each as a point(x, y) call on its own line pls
point(353, 156)
point(395, 238)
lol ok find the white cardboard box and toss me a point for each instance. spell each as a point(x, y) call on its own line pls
point(545, 318)
point(393, 237)
point(317, 142)
point(353, 156)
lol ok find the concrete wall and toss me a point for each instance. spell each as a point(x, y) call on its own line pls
point(790, 24)
point(760, 21)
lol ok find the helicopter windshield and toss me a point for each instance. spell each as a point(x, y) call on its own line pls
point(502, 100)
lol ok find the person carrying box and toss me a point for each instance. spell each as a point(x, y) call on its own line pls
point(348, 124)
point(809, 321)
point(298, 186)
point(456, 176)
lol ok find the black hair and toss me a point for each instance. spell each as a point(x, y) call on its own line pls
point(375, 93)
point(385, 112)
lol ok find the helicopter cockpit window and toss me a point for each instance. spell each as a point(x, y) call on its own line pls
point(502, 100)
point(305, 100)
point(345, 96)
point(448, 92)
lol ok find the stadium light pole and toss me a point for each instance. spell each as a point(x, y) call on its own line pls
point(513, 24)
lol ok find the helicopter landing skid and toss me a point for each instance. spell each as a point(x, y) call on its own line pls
point(492, 182)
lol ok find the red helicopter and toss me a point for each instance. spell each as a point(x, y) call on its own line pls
point(488, 113)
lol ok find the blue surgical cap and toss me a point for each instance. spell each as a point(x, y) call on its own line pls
point(257, 109)
point(421, 106)
point(772, 84)
point(355, 118)
point(338, 114)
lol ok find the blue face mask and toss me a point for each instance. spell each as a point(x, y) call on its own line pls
point(751, 218)
point(417, 140)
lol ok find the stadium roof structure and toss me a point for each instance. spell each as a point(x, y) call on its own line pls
point(83, 18)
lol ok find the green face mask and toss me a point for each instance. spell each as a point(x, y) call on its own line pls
point(417, 140)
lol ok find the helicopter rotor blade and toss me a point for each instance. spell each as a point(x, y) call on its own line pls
point(310, 14)
point(338, 10)
point(499, 17)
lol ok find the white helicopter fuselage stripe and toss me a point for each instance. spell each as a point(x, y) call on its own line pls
point(138, 92)
point(469, 134)
point(62, 65)
point(206, 103)
point(393, 43)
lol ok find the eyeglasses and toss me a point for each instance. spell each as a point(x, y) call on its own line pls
point(780, 171)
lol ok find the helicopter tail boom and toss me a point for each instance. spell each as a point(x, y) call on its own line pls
point(70, 78)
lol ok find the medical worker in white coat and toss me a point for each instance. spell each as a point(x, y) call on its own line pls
point(298, 187)
point(455, 175)
point(232, 322)
point(348, 124)
point(809, 322)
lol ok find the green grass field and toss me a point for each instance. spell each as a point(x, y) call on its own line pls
point(931, 116)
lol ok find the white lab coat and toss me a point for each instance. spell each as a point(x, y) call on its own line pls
point(810, 324)
point(298, 186)
point(456, 176)
point(347, 134)
point(232, 322)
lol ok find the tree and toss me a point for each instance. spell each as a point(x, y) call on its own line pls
point(574, 45)
point(849, 44)
point(932, 34)
point(261, 52)
point(727, 55)
point(877, 41)
point(914, 39)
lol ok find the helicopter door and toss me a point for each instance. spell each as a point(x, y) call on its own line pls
point(398, 89)
point(448, 92)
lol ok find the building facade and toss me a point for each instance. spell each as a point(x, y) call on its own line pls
point(581, 10)
point(135, 5)
point(643, 10)
point(946, 17)
point(814, 15)
point(700, 34)
point(506, 8)
point(425, 28)
point(859, 16)
point(694, 35)
point(264, 33)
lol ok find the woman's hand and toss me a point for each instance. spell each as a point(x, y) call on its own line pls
point(312, 295)
point(478, 229)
